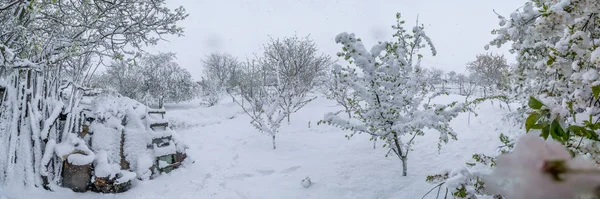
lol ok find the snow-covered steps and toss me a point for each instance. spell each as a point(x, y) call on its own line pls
point(156, 118)
point(160, 124)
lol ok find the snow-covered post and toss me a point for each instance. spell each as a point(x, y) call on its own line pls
point(392, 99)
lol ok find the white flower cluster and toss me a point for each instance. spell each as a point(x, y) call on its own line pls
point(539, 169)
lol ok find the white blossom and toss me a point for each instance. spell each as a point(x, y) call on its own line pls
point(537, 169)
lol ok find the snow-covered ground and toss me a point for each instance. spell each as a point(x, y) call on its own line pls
point(234, 160)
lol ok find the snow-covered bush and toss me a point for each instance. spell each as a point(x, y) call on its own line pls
point(392, 99)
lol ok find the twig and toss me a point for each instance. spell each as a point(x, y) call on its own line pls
point(579, 143)
point(436, 186)
point(446, 196)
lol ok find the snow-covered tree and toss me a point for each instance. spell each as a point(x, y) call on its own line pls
point(47, 49)
point(212, 92)
point(298, 65)
point(556, 44)
point(392, 99)
point(156, 78)
point(164, 80)
point(557, 50)
point(123, 77)
point(261, 100)
point(461, 81)
point(491, 70)
point(222, 69)
point(451, 77)
point(435, 77)
point(338, 91)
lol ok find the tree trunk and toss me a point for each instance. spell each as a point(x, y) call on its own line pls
point(469, 119)
point(484, 92)
point(160, 102)
point(349, 114)
point(374, 143)
point(404, 167)
point(401, 155)
point(274, 147)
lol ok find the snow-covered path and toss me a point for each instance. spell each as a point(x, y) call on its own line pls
point(233, 160)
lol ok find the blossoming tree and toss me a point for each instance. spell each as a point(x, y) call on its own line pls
point(391, 99)
point(557, 81)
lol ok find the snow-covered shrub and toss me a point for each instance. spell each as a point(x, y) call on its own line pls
point(392, 99)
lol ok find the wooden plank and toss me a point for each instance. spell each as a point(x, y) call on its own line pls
point(165, 124)
point(157, 112)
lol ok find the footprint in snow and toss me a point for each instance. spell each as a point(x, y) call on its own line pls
point(291, 169)
point(240, 176)
point(265, 172)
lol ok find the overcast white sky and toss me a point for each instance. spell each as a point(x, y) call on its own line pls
point(459, 29)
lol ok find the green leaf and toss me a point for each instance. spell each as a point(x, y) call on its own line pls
point(550, 62)
point(531, 120)
point(535, 104)
point(557, 132)
point(577, 130)
point(571, 110)
point(596, 90)
point(539, 126)
point(545, 132)
point(592, 135)
point(570, 105)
